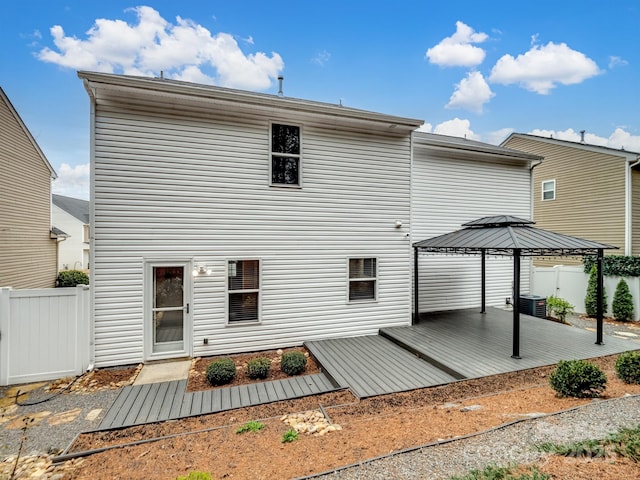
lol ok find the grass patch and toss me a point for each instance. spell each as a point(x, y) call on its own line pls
point(289, 436)
point(493, 472)
point(625, 442)
point(251, 426)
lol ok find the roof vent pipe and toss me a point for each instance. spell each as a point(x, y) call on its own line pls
point(280, 79)
point(582, 136)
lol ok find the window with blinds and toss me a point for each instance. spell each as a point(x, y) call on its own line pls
point(363, 279)
point(243, 290)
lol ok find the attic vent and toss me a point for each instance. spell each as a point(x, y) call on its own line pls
point(280, 79)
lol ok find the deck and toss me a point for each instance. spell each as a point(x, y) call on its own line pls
point(454, 345)
point(442, 348)
point(157, 402)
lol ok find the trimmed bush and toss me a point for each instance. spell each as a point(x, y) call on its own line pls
point(559, 308)
point(71, 278)
point(591, 300)
point(578, 379)
point(622, 305)
point(221, 371)
point(293, 363)
point(258, 368)
point(628, 367)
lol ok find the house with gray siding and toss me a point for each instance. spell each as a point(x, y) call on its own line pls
point(454, 181)
point(227, 221)
point(71, 216)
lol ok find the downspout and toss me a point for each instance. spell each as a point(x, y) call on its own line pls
point(92, 256)
point(532, 165)
point(628, 204)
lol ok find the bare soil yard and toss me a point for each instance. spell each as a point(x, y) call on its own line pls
point(370, 428)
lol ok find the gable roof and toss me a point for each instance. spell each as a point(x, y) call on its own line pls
point(73, 206)
point(620, 152)
point(463, 145)
point(105, 86)
point(16, 115)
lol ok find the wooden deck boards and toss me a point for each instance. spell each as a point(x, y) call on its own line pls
point(157, 402)
point(477, 345)
point(372, 365)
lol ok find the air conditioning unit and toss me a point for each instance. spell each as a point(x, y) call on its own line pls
point(533, 305)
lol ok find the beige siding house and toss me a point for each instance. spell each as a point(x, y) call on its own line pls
point(584, 190)
point(27, 249)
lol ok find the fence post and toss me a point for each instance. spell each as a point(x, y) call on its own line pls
point(82, 317)
point(5, 312)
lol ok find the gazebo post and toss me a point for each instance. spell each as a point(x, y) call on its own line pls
point(599, 292)
point(416, 301)
point(516, 303)
point(484, 280)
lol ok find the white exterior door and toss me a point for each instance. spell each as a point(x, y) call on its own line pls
point(168, 310)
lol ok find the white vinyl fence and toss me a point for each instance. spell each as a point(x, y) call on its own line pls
point(570, 284)
point(44, 333)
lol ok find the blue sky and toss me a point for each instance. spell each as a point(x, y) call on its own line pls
point(480, 69)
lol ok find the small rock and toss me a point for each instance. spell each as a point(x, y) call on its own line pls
point(471, 408)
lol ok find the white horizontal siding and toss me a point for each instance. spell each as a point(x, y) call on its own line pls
point(447, 193)
point(196, 187)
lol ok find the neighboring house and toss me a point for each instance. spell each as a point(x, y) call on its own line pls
point(27, 242)
point(284, 210)
point(585, 190)
point(454, 181)
point(71, 215)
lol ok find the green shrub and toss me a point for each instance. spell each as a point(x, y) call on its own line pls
point(622, 304)
point(71, 278)
point(221, 371)
point(577, 378)
point(289, 436)
point(628, 367)
point(196, 476)
point(614, 265)
point(559, 308)
point(259, 368)
point(591, 300)
point(293, 363)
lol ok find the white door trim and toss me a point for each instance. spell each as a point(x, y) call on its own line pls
point(187, 350)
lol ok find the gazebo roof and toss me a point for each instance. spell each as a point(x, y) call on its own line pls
point(504, 234)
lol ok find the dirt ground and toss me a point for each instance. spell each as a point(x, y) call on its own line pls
point(369, 428)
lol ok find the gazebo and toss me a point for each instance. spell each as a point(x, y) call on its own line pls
point(506, 235)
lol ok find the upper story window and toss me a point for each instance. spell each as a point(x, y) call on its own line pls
point(286, 161)
point(549, 190)
point(85, 233)
point(363, 279)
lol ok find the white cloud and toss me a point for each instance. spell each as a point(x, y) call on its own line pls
point(456, 128)
point(72, 181)
point(620, 138)
point(457, 50)
point(321, 58)
point(471, 93)
point(617, 62)
point(498, 136)
point(425, 127)
point(184, 50)
point(543, 67)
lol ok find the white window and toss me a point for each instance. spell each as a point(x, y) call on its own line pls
point(85, 233)
point(549, 190)
point(286, 161)
point(243, 291)
point(363, 279)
